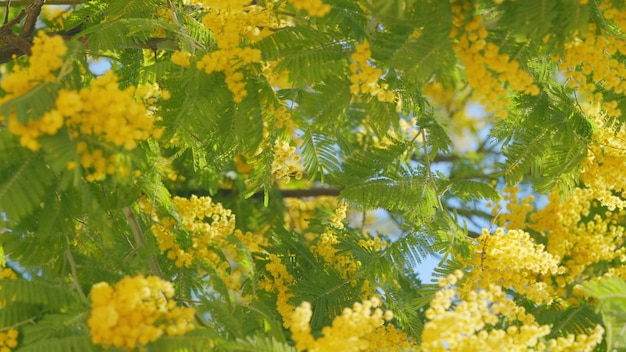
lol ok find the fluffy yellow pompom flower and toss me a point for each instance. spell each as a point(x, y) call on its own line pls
point(365, 77)
point(315, 8)
point(286, 162)
point(513, 260)
point(360, 328)
point(181, 58)
point(487, 320)
point(8, 340)
point(136, 311)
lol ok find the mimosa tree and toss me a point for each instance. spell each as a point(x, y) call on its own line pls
point(221, 183)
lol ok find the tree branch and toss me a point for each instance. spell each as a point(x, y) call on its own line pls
point(22, 42)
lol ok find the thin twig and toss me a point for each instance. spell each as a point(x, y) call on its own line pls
point(30, 320)
point(75, 282)
point(6, 15)
point(140, 240)
point(431, 177)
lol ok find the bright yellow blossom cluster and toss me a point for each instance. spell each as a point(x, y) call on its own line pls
point(375, 244)
point(282, 119)
point(325, 247)
point(578, 243)
point(360, 328)
point(207, 227)
point(279, 79)
point(286, 162)
point(8, 339)
point(47, 57)
point(299, 211)
point(280, 281)
point(228, 61)
point(513, 260)
point(486, 320)
point(234, 23)
point(517, 212)
point(136, 311)
point(315, 8)
point(488, 71)
point(114, 116)
point(181, 58)
point(100, 111)
point(365, 77)
point(6, 273)
point(601, 168)
point(589, 61)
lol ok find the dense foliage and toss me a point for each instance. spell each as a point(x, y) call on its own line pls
point(272, 175)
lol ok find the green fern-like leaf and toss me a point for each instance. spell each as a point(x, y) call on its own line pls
point(53, 296)
point(413, 195)
point(611, 295)
point(77, 343)
point(259, 343)
point(319, 155)
point(32, 104)
point(24, 180)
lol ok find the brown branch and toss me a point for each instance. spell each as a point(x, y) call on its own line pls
point(32, 13)
point(21, 42)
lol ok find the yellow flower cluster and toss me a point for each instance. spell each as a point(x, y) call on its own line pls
point(601, 166)
point(315, 8)
point(233, 23)
point(99, 114)
point(513, 260)
point(286, 162)
point(299, 211)
point(114, 117)
point(207, 227)
point(280, 281)
point(486, 320)
point(136, 311)
point(6, 273)
point(47, 57)
point(282, 119)
point(336, 219)
point(279, 79)
point(360, 328)
point(488, 71)
point(181, 58)
point(326, 249)
point(375, 244)
point(578, 244)
point(228, 61)
point(590, 61)
point(365, 77)
point(8, 339)
point(517, 212)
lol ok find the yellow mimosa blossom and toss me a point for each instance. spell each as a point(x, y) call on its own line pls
point(487, 320)
point(315, 8)
point(365, 77)
point(490, 73)
point(136, 311)
point(208, 226)
point(360, 328)
point(8, 339)
point(286, 163)
point(512, 260)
